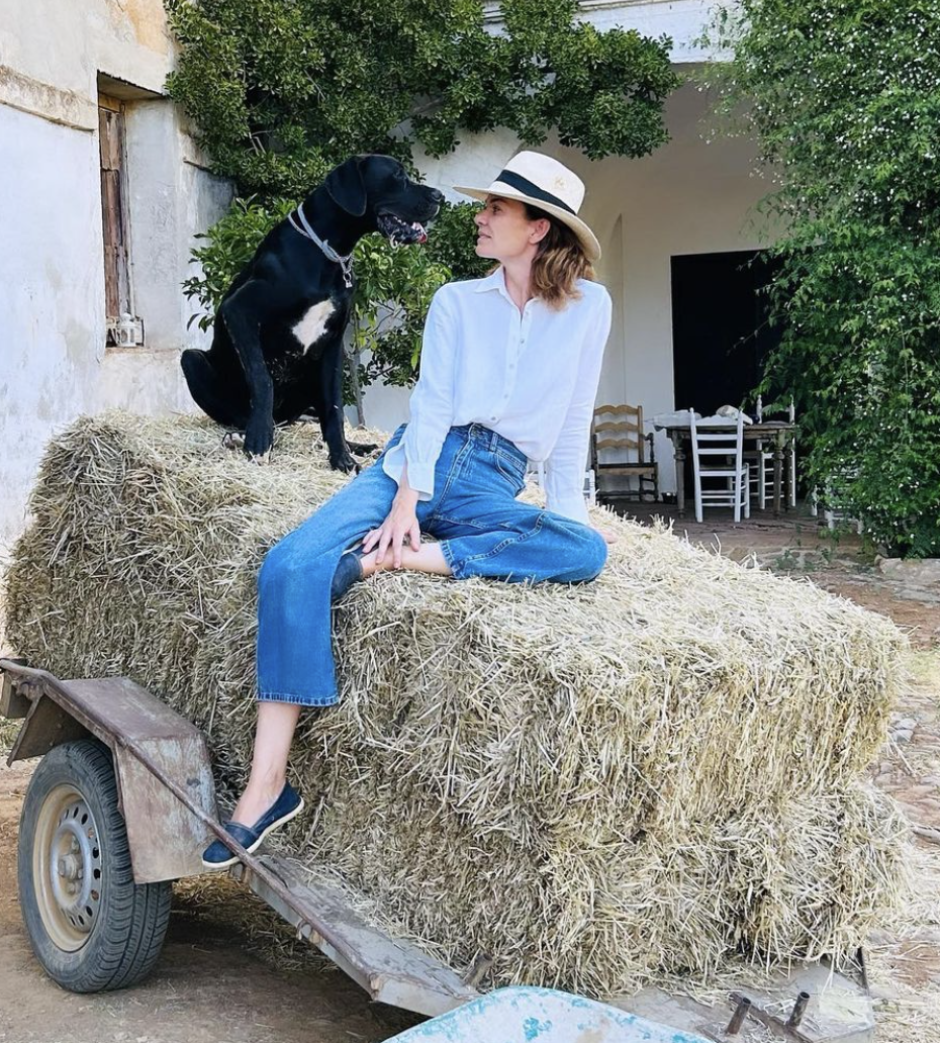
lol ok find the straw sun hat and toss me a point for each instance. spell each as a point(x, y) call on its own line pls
point(547, 184)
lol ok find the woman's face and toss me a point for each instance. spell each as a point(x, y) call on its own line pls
point(504, 231)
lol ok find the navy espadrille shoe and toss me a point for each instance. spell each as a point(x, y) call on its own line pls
point(348, 572)
point(287, 805)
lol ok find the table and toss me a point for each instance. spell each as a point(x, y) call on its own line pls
point(780, 432)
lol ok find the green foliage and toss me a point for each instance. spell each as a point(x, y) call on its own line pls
point(394, 287)
point(843, 97)
point(230, 244)
point(280, 91)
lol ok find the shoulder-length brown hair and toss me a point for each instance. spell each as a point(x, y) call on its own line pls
point(559, 263)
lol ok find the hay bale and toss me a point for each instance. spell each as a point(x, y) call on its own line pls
point(595, 784)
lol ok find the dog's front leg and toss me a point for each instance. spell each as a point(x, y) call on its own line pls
point(330, 408)
point(242, 314)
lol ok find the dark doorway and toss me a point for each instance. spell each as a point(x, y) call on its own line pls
point(720, 334)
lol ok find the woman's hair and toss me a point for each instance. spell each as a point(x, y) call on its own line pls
point(559, 263)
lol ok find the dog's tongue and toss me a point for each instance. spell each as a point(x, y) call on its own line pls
point(422, 234)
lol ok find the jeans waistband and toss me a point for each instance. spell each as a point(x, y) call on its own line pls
point(489, 439)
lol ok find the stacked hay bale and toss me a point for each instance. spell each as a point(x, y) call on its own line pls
point(594, 784)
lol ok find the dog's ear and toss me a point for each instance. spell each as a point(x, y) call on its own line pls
point(347, 188)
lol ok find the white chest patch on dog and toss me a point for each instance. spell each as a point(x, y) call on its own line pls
point(310, 328)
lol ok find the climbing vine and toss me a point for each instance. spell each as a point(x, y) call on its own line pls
point(843, 98)
point(280, 91)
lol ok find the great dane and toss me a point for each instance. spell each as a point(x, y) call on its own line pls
point(277, 348)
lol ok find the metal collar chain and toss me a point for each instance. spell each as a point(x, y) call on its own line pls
point(345, 263)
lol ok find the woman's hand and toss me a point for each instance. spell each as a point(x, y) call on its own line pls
point(609, 537)
point(401, 524)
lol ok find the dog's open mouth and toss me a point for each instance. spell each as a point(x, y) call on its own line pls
point(399, 232)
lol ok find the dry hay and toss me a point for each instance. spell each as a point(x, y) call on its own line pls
point(594, 784)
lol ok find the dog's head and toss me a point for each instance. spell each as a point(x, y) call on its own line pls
point(378, 189)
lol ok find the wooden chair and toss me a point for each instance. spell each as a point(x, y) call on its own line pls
point(619, 430)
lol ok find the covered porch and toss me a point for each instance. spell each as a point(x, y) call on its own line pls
point(681, 258)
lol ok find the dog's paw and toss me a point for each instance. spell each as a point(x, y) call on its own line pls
point(259, 437)
point(343, 462)
point(233, 440)
point(362, 448)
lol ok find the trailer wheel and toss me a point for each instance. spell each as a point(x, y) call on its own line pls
point(91, 927)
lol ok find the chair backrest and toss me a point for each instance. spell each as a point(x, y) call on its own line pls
point(759, 411)
point(707, 442)
point(618, 430)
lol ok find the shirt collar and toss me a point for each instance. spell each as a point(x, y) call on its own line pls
point(495, 281)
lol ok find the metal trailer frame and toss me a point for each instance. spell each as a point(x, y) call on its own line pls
point(167, 799)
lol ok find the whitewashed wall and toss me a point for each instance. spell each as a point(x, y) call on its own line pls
point(53, 362)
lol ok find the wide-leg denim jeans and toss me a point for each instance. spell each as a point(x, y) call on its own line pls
point(482, 529)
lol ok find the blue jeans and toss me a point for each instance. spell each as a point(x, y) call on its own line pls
point(482, 531)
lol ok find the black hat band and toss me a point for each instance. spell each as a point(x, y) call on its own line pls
point(524, 185)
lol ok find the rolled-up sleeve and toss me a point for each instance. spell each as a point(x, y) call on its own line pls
point(431, 405)
point(565, 466)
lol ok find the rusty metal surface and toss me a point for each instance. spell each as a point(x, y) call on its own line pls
point(166, 838)
point(46, 726)
point(12, 704)
point(391, 970)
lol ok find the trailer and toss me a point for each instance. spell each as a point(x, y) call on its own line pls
point(122, 803)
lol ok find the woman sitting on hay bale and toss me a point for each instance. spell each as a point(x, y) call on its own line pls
point(509, 372)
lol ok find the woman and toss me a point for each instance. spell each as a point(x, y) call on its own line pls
point(509, 371)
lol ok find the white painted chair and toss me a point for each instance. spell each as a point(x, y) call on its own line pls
point(761, 462)
point(717, 455)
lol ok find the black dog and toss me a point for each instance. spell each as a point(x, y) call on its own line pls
point(277, 348)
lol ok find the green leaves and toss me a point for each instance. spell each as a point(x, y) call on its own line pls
point(278, 89)
point(843, 98)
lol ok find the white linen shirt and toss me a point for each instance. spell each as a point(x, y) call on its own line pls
point(531, 376)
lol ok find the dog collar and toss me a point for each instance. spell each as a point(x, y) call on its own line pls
point(345, 263)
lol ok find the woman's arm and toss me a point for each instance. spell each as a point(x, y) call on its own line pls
point(564, 468)
point(411, 463)
point(431, 406)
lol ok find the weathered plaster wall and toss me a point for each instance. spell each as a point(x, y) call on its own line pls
point(53, 362)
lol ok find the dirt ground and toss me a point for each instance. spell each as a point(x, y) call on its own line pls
point(215, 982)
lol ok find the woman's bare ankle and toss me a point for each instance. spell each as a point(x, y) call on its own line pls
point(427, 558)
point(256, 799)
point(369, 564)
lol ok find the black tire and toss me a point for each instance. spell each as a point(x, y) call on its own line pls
point(103, 934)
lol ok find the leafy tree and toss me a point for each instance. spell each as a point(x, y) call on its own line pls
point(280, 91)
point(843, 98)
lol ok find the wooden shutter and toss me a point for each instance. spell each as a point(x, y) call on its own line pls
point(113, 213)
